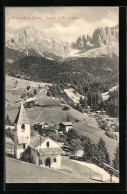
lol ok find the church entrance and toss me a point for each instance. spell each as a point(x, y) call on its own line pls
point(48, 162)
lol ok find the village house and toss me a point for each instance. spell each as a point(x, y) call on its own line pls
point(36, 149)
point(39, 126)
point(30, 102)
point(65, 126)
point(43, 128)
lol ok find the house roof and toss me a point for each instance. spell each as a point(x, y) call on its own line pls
point(66, 123)
point(30, 99)
point(21, 116)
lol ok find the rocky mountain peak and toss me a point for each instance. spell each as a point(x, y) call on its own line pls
point(105, 35)
point(30, 41)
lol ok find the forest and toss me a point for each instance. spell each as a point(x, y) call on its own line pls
point(88, 76)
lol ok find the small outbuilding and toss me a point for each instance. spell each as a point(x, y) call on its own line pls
point(65, 126)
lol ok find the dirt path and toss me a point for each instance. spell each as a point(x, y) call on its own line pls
point(105, 175)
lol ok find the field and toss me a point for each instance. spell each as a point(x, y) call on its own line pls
point(52, 113)
point(11, 82)
point(22, 172)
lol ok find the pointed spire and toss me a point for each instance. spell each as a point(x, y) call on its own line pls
point(21, 116)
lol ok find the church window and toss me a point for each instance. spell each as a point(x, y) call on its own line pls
point(23, 127)
point(24, 145)
point(54, 159)
point(47, 144)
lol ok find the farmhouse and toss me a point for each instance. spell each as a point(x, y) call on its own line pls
point(43, 128)
point(35, 149)
point(65, 126)
point(30, 102)
point(42, 125)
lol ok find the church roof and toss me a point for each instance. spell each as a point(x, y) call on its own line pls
point(45, 151)
point(36, 140)
point(21, 116)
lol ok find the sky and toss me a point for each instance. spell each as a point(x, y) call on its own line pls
point(62, 23)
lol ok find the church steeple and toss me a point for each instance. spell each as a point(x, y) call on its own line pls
point(21, 116)
point(22, 132)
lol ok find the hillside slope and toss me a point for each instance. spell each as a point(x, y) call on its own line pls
point(44, 70)
point(23, 172)
point(52, 112)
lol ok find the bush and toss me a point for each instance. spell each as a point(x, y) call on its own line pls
point(35, 92)
point(28, 87)
point(9, 133)
point(77, 120)
point(66, 108)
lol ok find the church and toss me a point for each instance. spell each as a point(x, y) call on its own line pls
point(35, 149)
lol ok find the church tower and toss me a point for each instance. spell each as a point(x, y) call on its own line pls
point(22, 132)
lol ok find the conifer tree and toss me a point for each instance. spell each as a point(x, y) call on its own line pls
point(35, 91)
point(7, 120)
point(103, 151)
point(116, 159)
point(75, 145)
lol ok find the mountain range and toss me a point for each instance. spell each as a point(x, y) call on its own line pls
point(89, 65)
point(29, 42)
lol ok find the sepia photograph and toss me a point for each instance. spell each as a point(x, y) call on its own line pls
point(61, 94)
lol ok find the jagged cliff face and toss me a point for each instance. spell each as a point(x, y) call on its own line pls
point(105, 35)
point(101, 36)
point(104, 42)
point(30, 40)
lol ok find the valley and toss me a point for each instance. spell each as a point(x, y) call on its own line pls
point(53, 114)
point(70, 93)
